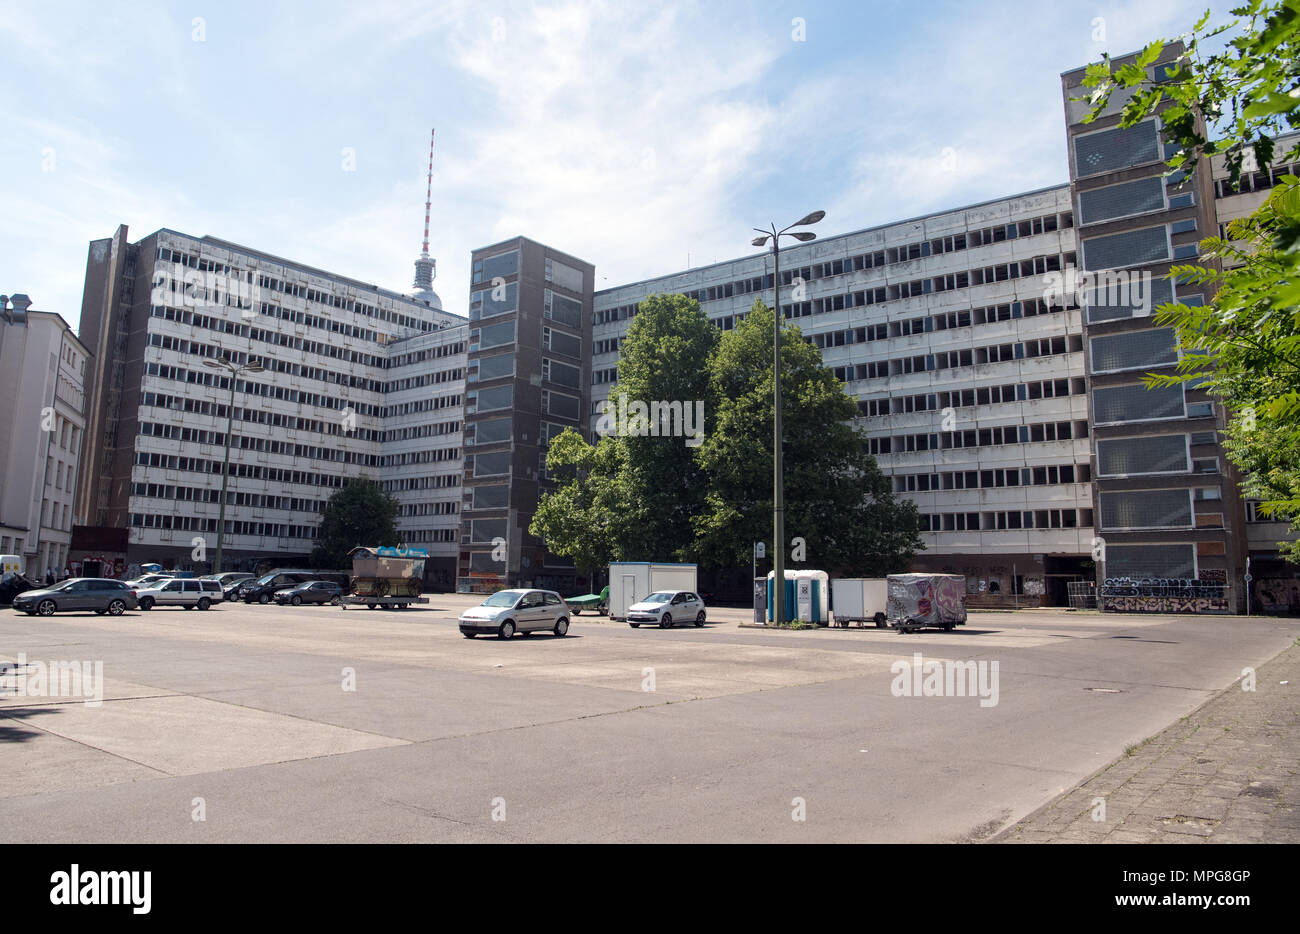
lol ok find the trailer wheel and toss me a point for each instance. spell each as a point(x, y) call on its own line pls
point(948, 627)
point(881, 622)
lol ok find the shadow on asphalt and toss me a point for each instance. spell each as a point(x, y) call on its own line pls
point(11, 732)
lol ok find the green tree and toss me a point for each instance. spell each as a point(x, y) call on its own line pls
point(1243, 345)
point(836, 498)
point(584, 519)
point(664, 360)
point(361, 513)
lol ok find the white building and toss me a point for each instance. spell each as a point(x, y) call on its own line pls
point(969, 383)
point(42, 421)
point(320, 412)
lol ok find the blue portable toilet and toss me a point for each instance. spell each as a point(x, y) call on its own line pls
point(791, 610)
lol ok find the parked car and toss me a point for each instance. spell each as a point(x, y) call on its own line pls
point(101, 594)
point(148, 580)
point(228, 579)
point(509, 611)
point(310, 592)
point(188, 593)
point(262, 590)
point(667, 608)
point(12, 584)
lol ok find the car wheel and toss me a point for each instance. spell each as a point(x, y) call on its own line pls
point(372, 606)
point(575, 610)
point(469, 635)
point(335, 601)
point(264, 598)
point(296, 600)
point(204, 603)
point(99, 612)
point(561, 627)
point(45, 608)
point(699, 618)
point(146, 603)
point(116, 607)
point(665, 622)
point(188, 606)
point(635, 625)
point(949, 627)
point(507, 630)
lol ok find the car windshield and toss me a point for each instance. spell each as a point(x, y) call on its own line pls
point(504, 598)
point(661, 597)
point(267, 579)
point(64, 586)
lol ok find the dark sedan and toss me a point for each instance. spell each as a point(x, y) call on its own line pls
point(101, 594)
point(310, 592)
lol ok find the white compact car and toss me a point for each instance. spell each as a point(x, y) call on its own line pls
point(667, 608)
point(186, 592)
point(509, 611)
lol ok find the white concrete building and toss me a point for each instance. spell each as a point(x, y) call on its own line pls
point(319, 414)
point(42, 422)
point(969, 383)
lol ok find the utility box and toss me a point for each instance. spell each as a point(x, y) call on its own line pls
point(860, 600)
point(632, 581)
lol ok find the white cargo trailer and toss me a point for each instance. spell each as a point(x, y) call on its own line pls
point(633, 581)
point(860, 601)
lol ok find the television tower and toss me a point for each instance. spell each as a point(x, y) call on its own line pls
point(426, 267)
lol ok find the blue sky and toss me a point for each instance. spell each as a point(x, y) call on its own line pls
point(629, 134)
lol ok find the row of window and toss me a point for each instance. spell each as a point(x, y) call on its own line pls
point(428, 482)
point(953, 359)
point(445, 507)
point(185, 523)
point(964, 398)
point(977, 437)
point(192, 494)
point(1255, 181)
point(1046, 475)
point(1002, 521)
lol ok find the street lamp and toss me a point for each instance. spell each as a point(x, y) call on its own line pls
point(778, 468)
point(224, 364)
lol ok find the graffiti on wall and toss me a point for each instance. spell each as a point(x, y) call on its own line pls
point(1162, 595)
point(1276, 594)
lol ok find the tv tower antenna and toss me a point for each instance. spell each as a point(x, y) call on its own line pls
point(426, 268)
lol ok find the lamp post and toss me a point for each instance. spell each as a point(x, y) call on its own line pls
point(778, 467)
point(224, 363)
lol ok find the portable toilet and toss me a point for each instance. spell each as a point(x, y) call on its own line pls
point(807, 596)
point(789, 606)
point(812, 596)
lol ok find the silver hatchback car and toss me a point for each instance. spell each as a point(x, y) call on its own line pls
point(667, 608)
point(509, 611)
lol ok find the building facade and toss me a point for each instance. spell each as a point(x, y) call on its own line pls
point(996, 352)
point(528, 379)
point(357, 381)
point(42, 428)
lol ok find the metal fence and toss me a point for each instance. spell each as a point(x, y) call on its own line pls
point(1083, 594)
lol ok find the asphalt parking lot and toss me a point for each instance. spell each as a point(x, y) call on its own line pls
point(252, 723)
